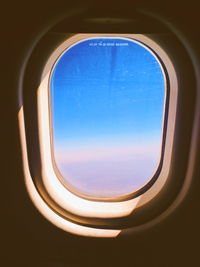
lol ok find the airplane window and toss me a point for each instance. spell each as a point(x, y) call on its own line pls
point(107, 99)
point(106, 111)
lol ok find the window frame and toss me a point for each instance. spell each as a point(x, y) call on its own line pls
point(94, 208)
point(142, 215)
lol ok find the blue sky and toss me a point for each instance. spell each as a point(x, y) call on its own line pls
point(107, 97)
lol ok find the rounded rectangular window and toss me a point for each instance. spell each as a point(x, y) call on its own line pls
point(107, 106)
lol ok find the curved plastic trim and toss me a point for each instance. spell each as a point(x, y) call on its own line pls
point(59, 193)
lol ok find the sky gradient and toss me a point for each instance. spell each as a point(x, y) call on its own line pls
point(107, 97)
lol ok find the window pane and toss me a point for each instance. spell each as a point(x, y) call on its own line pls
point(107, 105)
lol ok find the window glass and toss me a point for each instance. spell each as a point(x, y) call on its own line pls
point(107, 99)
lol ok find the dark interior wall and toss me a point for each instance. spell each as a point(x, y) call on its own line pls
point(27, 239)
